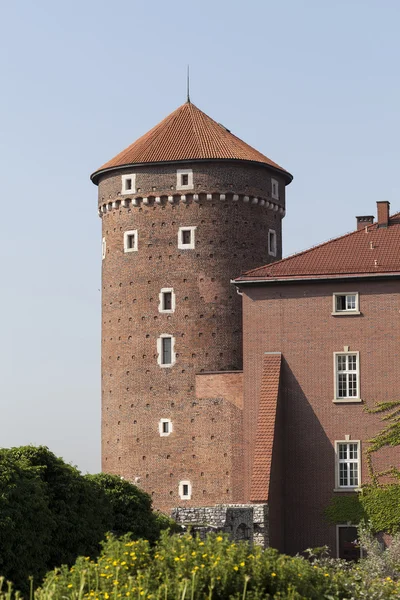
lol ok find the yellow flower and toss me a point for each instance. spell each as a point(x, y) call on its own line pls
point(115, 582)
point(273, 574)
point(235, 568)
point(115, 563)
point(70, 585)
point(194, 553)
point(219, 538)
point(326, 574)
point(177, 558)
point(242, 564)
point(201, 543)
point(106, 596)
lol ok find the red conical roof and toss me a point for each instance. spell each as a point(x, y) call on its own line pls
point(187, 134)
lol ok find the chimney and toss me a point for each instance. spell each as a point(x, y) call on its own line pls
point(363, 222)
point(383, 213)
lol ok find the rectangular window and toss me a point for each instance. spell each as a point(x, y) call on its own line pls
point(128, 184)
point(185, 490)
point(275, 189)
point(347, 545)
point(272, 242)
point(103, 248)
point(186, 238)
point(130, 241)
point(167, 301)
point(345, 303)
point(166, 351)
point(184, 179)
point(346, 376)
point(348, 464)
point(165, 427)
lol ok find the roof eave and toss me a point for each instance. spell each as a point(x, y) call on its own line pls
point(316, 278)
point(285, 174)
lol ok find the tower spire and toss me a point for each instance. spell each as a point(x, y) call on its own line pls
point(188, 85)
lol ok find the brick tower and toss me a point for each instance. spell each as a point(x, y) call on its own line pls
point(184, 209)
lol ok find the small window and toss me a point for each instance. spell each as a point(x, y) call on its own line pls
point(348, 547)
point(186, 238)
point(128, 184)
point(348, 465)
point(184, 179)
point(345, 304)
point(347, 380)
point(130, 241)
point(272, 242)
point(185, 490)
point(165, 427)
point(275, 189)
point(165, 347)
point(103, 248)
point(167, 301)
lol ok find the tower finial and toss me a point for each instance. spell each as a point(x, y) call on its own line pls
point(188, 85)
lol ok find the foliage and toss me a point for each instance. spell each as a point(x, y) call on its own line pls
point(186, 568)
point(377, 505)
point(379, 561)
point(389, 436)
point(50, 513)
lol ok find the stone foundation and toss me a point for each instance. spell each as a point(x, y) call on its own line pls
point(241, 521)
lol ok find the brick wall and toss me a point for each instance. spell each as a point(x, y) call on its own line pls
point(297, 321)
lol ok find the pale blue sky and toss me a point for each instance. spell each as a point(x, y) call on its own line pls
point(314, 84)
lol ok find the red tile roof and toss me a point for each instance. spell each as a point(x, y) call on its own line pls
point(371, 251)
point(187, 134)
point(265, 436)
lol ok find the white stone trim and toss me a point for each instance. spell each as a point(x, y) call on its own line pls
point(275, 189)
point(352, 488)
point(336, 376)
point(161, 298)
point(181, 186)
point(272, 247)
point(124, 180)
point(161, 427)
point(103, 248)
point(127, 234)
point(159, 350)
point(183, 496)
point(183, 246)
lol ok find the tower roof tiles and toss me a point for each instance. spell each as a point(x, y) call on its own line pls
point(187, 134)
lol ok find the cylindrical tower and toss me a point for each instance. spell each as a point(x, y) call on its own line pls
point(184, 209)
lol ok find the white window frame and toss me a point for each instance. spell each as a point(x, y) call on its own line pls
point(348, 524)
point(161, 308)
point(182, 496)
point(346, 311)
point(124, 179)
point(275, 182)
point(103, 248)
point(161, 427)
point(183, 246)
point(336, 376)
point(338, 462)
point(126, 236)
point(272, 248)
point(160, 350)
point(181, 186)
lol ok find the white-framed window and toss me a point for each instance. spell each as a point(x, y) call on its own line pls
point(348, 465)
point(131, 241)
point(167, 300)
point(165, 427)
point(166, 350)
point(184, 179)
point(347, 376)
point(185, 490)
point(186, 238)
point(344, 304)
point(347, 545)
point(103, 248)
point(128, 184)
point(272, 242)
point(275, 189)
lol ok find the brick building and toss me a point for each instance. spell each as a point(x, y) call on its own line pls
point(193, 411)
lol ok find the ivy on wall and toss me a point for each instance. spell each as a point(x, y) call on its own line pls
point(377, 503)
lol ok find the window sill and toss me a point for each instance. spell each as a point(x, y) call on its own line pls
point(184, 187)
point(127, 250)
point(347, 400)
point(166, 311)
point(346, 313)
point(347, 490)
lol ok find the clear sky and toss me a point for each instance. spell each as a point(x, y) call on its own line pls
point(313, 84)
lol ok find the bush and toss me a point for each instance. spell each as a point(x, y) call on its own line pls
point(184, 567)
